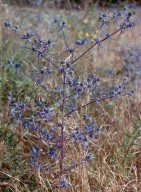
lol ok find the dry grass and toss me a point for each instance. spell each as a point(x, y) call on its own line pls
point(117, 150)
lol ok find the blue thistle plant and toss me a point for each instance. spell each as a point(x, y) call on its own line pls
point(51, 120)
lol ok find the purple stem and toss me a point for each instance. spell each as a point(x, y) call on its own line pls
point(97, 43)
point(62, 126)
point(93, 101)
